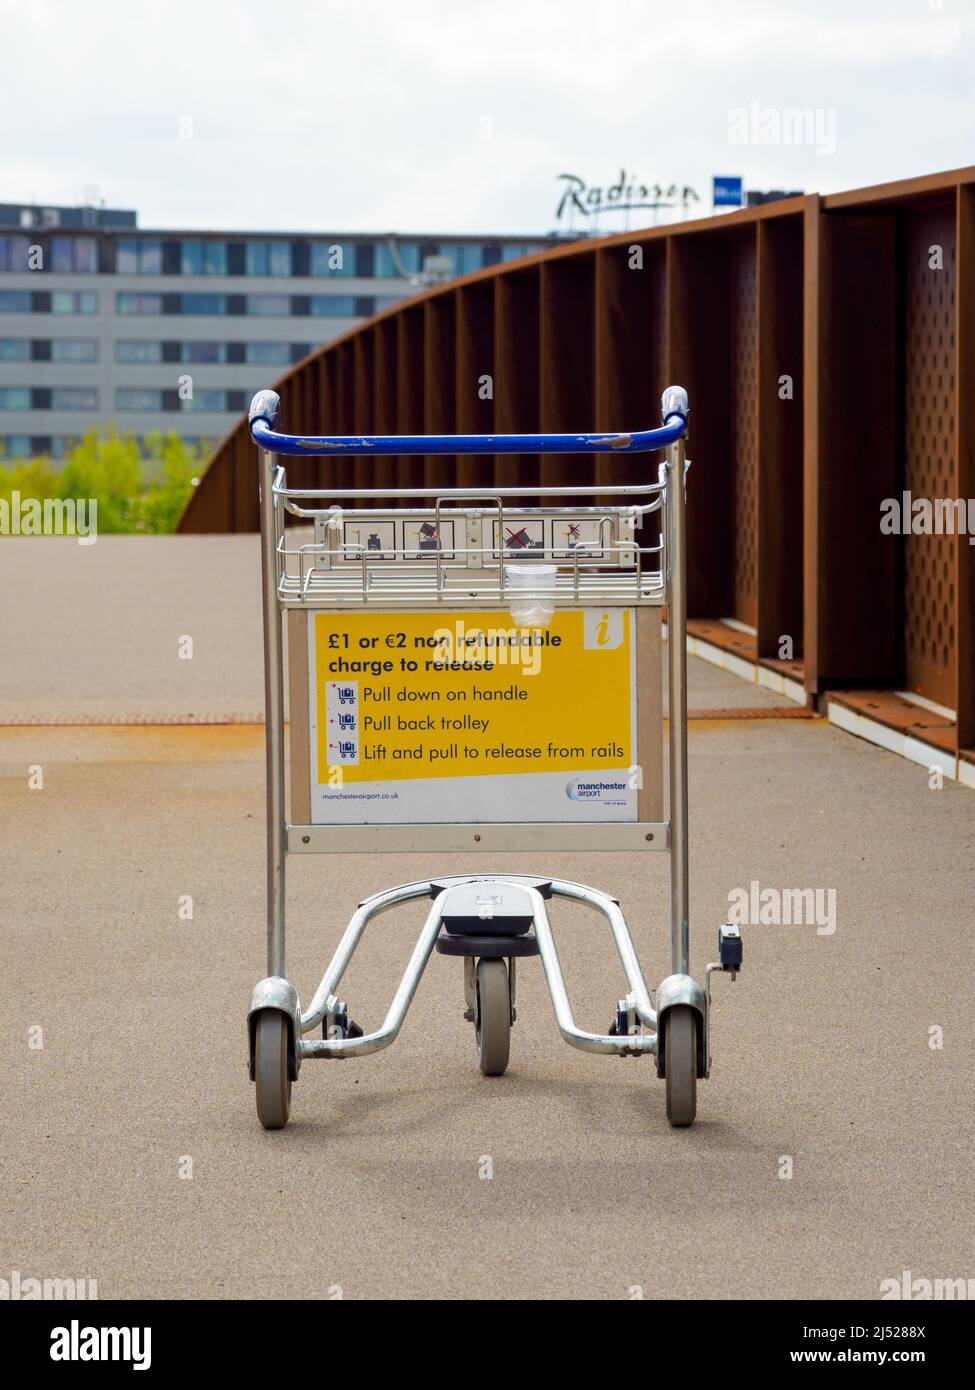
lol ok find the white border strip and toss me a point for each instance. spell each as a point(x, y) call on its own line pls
point(840, 716)
point(923, 703)
point(748, 670)
point(895, 741)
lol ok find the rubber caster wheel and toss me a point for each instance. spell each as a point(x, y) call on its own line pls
point(272, 1081)
point(680, 1064)
point(492, 1017)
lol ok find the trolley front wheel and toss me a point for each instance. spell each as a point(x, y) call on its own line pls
point(492, 1017)
point(273, 1083)
point(680, 1065)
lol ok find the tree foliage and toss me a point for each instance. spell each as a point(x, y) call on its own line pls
point(139, 487)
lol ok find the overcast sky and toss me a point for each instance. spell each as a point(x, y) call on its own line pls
point(457, 115)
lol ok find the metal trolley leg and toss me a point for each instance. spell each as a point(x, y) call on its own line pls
point(677, 681)
point(324, 1002)
point(681, 1002)
point(273, 720)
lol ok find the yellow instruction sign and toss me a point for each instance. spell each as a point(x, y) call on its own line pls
point(463, 715)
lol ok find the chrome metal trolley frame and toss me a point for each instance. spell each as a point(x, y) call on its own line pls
point(334, 573)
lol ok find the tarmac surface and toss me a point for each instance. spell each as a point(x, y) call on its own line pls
point(130, 1149)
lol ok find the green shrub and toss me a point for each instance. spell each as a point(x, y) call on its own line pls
point(138, 489)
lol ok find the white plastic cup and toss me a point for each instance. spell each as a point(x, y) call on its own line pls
point(539, 581)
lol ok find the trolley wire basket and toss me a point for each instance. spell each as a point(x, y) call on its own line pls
point(462, 546)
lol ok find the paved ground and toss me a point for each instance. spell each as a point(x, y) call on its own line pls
point(97, 630)
point(822, 1048)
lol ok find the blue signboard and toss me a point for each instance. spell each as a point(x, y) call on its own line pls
point(728, 191)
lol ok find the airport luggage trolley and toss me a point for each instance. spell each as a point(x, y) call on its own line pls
point(469, 674)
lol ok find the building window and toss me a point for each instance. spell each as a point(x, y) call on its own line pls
point(77, 255)
point(269, 305)
point(267, 258)
point(137, 350)
point(267, 354)
point(515, 253)
point(74, 350)
point(392, 263)
point(138, 398)
point(16, 446)
point(203, 303)
point(14, 252)
point(14, 349)
point(14, 398)
point(332, 258)
point(138, 257)
point(340, 305)
point(74, 302)
point(203, 257)
point(130, 302)
point(14, 301)
point(74, 398)
point(465, 256)
point(203, 352)
point(205, 400)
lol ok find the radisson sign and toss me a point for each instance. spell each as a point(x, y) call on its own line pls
point(625, 194)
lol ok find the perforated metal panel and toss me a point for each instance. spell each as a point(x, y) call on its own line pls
point(744, 359)
point(929, 463)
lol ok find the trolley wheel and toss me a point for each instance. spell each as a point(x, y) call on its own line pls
point(273, 1084)
point(492, 1016)
point(680, 1065)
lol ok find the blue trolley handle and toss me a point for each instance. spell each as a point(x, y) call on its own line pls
point(265, 406)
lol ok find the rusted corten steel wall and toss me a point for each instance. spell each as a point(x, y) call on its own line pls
point(889, 310)
point(828, 346)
